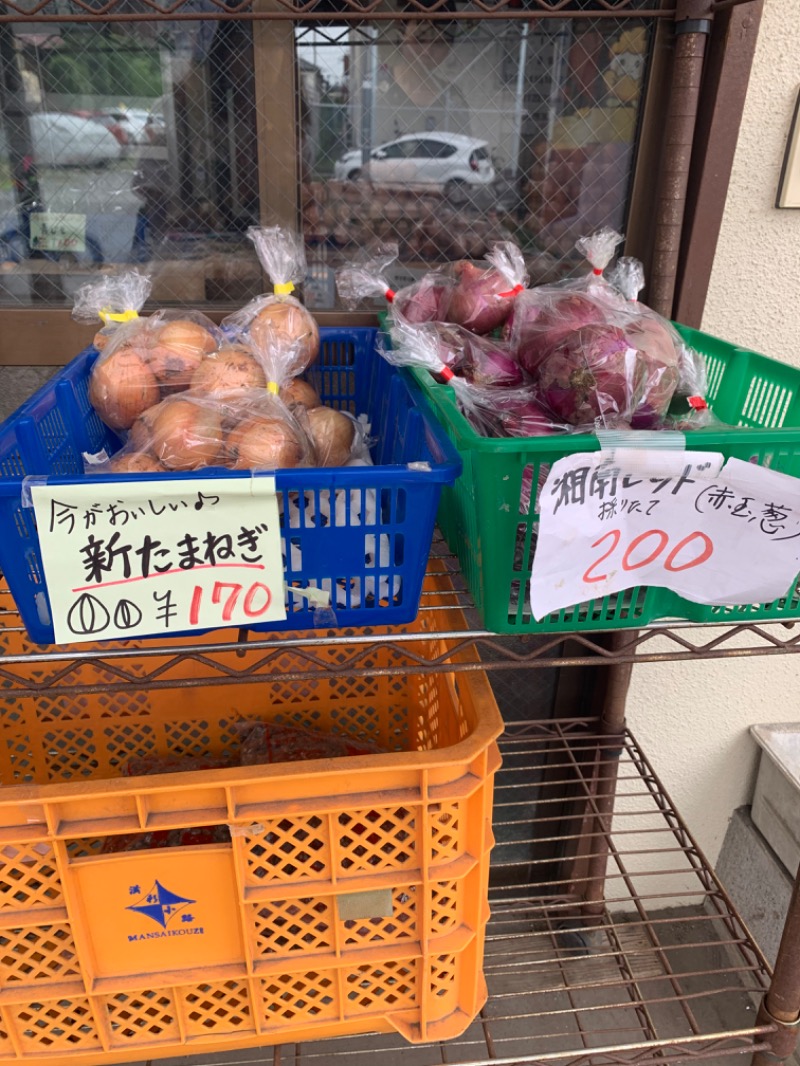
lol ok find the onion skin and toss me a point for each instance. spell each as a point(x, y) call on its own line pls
point(425, 301)
point(594, 373)
point(475, 301)
point(333, 434)
point(137, 463)
point(140, 438)
point(177, 351)
point(288, 323)
point(186, 435)
point(122, 387)
point(299, 391)
point(493, 367)
point(537, 327)
point(264, 443)
point(518, 414)
point(228, 370)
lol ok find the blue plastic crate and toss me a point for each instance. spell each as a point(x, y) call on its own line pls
point(373, 568)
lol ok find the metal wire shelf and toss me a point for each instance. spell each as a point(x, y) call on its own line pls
point(325, 11)
point(662, 974)
point(446, 636)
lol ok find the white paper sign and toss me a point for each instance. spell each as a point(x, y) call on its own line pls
point(52, 231)
point(715, 535)
point(160, 557)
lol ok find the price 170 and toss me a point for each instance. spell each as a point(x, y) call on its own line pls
point(256, 600)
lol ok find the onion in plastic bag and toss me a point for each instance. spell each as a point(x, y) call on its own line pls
point(283, 258)
point(483, 297)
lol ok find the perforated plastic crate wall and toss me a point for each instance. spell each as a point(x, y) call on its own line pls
point(48, 434)
point(351, 898)
point(493, 532)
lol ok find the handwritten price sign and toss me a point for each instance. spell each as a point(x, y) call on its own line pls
point(714, 534)
point(159, 557)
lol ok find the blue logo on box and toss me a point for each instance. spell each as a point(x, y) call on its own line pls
point(161, 905)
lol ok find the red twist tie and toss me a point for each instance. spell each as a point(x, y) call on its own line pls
point(511, 292)
point(697, 403)
point(390, 295)
point(447, 373)
point(597, 271)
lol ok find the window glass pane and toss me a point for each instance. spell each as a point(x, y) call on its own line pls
point(537, 124)
point(140, 143)
point(126, 144)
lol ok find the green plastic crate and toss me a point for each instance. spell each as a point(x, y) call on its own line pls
point(483, 521)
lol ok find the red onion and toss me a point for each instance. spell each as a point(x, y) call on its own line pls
point(592, 373)
point(493, 366)
point(425, 301)
point(542, 321)
point(481, 360)
point(475, 302)
point(521, 417)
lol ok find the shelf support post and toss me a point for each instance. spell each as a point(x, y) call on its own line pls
point(612, 725)
point(781, 1004)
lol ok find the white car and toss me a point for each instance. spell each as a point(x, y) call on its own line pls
point(132, 119)
point(443, 160)
point(61, 140)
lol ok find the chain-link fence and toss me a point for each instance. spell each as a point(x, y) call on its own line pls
point(139, 143)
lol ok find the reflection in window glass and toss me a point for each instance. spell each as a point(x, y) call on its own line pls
point(532, 131)
point(138, 143)
point(128, 144)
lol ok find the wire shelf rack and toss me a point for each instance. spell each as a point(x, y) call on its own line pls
point(446, 636)
point(319, 10)
point(665, 971)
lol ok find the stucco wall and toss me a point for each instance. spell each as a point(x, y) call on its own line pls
point(693, 718)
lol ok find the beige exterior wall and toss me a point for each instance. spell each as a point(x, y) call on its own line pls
point(693, 718)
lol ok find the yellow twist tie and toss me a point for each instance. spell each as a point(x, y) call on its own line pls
point(273, 387)
point(283, 288)
point(117, 316)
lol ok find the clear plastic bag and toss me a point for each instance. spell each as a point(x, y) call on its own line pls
point(493, 410)
point(542, 317)
point(480, 360)
point(251, 429)
point(147, 359)
point(483, 297)
point(113, 299)
point(283, 257)
point(365, 278)
point(597, 355)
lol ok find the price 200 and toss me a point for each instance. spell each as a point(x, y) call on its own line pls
point(693, 550)
point(256, 601)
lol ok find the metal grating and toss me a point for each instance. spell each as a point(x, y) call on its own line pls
point(322, 10)
point(27, 669)
point(640, 983)
point(665, 974)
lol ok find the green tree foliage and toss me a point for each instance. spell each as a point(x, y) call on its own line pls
point(103, 66)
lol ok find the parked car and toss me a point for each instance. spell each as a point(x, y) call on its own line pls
point(132, 119)
point(111, 124)
point(155, 129)
point(62, 140)
point(449, 161)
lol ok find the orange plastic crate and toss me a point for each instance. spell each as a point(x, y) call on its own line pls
point(352, 897)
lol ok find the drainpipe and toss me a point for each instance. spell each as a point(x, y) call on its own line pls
point(692, 28)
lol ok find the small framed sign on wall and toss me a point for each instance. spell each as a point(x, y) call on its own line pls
point(789, 184)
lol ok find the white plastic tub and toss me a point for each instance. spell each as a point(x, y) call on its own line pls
point(776, 803)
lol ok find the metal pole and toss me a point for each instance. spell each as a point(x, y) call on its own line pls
point(781, 1004)
point(692, 27)
point(519, 101)
point(612, 725)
